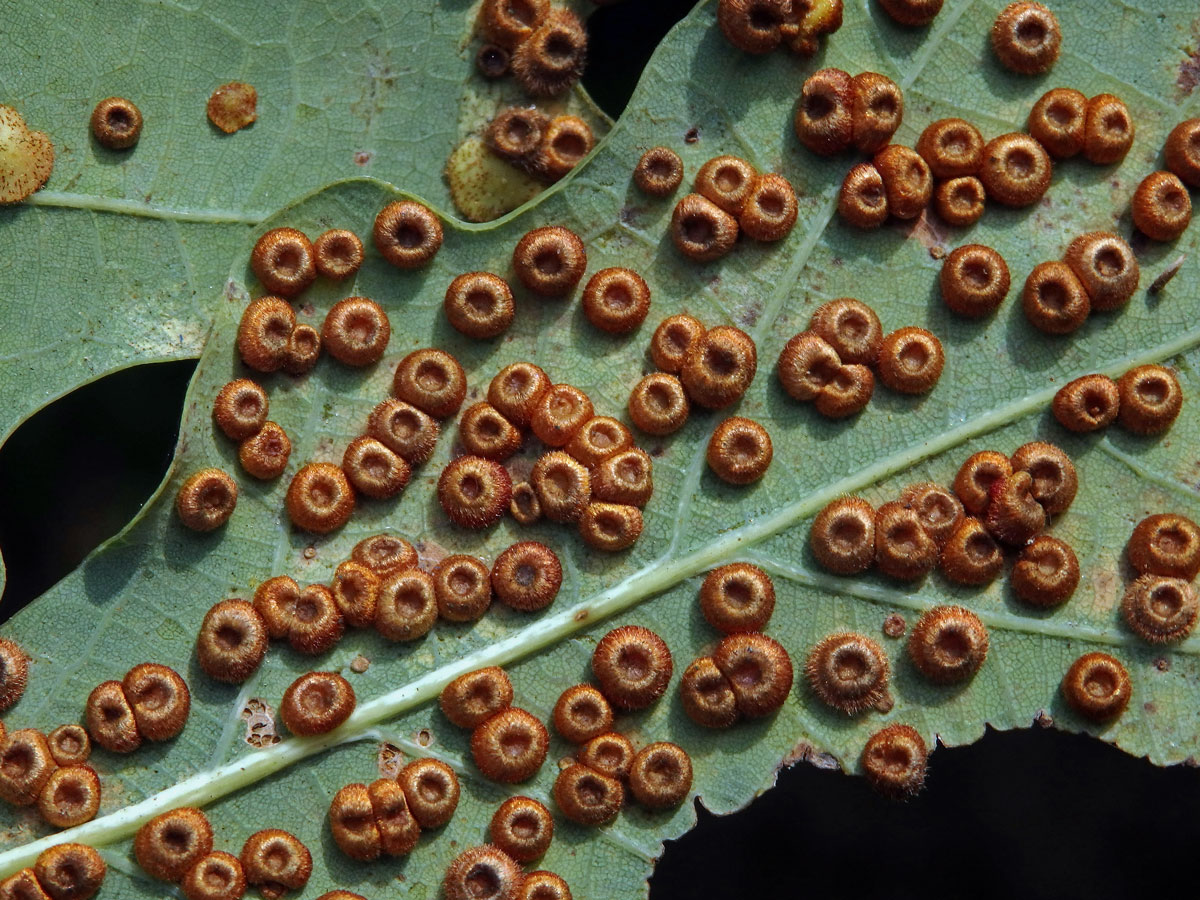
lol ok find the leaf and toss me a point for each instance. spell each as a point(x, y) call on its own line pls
point(143, 595)
point(144, 238)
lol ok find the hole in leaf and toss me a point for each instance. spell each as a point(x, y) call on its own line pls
point(78, 470)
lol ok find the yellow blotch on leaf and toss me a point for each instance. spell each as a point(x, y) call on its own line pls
point(483, 186)
point(26, 157)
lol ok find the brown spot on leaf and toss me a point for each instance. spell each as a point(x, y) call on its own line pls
point(894, 625)
point(260, 723)
point(930, 232)
point(235, 293)
point(389, 760)
point(692, 135)
point(1107, 586)
point(359, 664)
point(1043, 719)
point(362, 157)
point(1189, 73)
point(1162, 664)
point(429, 554)
point(806, 752)
point(749, 317)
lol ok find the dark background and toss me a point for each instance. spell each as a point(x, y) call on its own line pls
point(1032, 813)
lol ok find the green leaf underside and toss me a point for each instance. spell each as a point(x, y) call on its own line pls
point(142, 240)
point(142, 597)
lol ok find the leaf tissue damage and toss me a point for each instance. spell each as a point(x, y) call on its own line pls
point(675, 626)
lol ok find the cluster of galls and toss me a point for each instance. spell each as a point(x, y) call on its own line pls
point(712, 368)
point(177, 847)
point(51, 771)
point(633, 667)
point(546, 148)
point(996, 502)
point(388, 815)
point(730, 198)
point(550, 262)
point(591, 790)
point(760, 26)
point(152, 702)
point(1098, 272)
point(833, 363)
point(1161, 208)
point(952, 164)
point(286, 262)
point(749, 674)
point(380, 586)
point(61, 872)
point(401, 433)
point(850, 672)
point(1012, 169)
point(1066, 123)
point(1015, 169)
point(356, 331)
point(489, 872)
point(508, 743)
point(592, 476)
point(543, 46)
point(837, 112)
point(240, 411)
point(521, 830)
point(1160, 606)
point(1145, 400)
